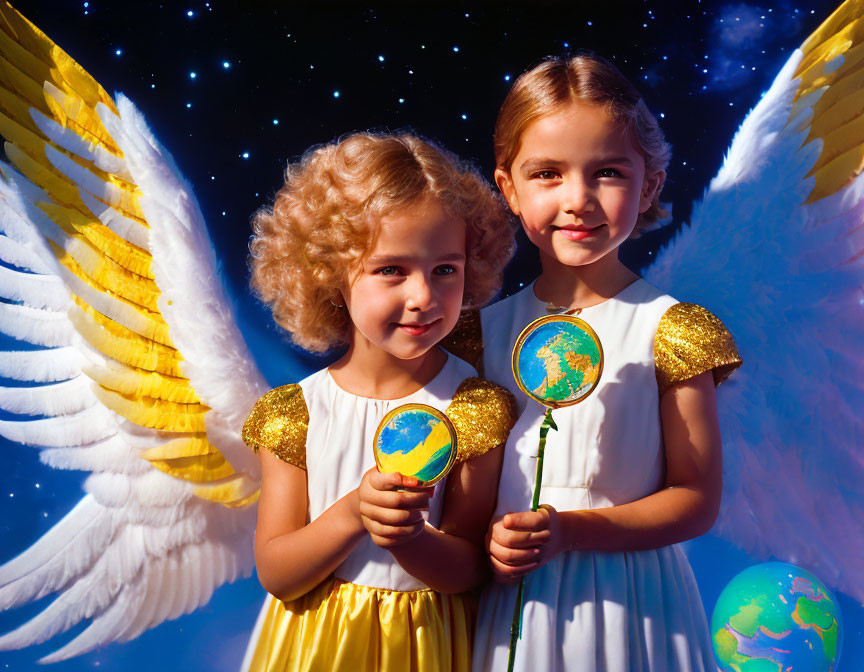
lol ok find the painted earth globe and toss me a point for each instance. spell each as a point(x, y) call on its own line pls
point(415, 440)
point(778, 617)
point(557, 360)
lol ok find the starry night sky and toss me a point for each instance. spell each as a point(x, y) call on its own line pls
point(234, 91)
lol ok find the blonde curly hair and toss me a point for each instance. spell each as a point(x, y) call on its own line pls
point(557, 82)
point(325, 219)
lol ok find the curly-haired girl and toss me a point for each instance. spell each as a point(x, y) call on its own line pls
point(375, 242)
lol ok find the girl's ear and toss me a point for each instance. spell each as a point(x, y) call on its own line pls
point(505, 184)
point(650, 188)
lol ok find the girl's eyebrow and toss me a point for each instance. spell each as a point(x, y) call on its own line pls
point(537, 162)
point(389, 260)
point(623, 160)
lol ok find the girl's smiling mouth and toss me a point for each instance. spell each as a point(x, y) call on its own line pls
point(416, 329)
point(580, 232)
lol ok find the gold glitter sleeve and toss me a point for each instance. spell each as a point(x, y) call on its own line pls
point(483, 414)
point(278, 423)
point(689, 341)
point(466, 340)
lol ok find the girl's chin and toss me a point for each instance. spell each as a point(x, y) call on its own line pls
point(574, 257)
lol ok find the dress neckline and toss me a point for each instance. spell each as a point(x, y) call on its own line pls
point(447, 364)
point(588, 309)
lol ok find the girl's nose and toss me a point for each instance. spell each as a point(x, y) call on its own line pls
point(578, 197)
point(419, 295)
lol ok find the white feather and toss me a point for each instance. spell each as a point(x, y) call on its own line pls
point(152, 595)
point(119, 310)
point(89, 595)
point(140, 598)
point(172, 602)
point(20, 228)
point(69, 140)
point(34, 290)
point(21, 188)
point(135, 232)
point(165, 598)
point(787, 280)
point(84, 178)
point(183, 594)
point(26, 223)
point(39, 327)
point(107, 627)
point(19, 255)
point(41, 366)
point(62, 553)
point(114, 455)
point(220, 367)
point(152, 490)
point(63, 398)
point(88, 426)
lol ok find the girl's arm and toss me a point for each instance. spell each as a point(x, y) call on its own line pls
point(291, 556)
point(449, 559)
point(685, 508)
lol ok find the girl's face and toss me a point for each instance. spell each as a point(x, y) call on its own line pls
point(578, 184)
point(407, 294)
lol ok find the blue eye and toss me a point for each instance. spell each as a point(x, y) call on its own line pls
point(445, 269)
point(387, 270)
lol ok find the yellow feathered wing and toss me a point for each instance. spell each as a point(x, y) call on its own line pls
point(142, 377)
point(115, 297)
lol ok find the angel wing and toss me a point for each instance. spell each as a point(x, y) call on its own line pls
point(776, 248)
point(140, 376)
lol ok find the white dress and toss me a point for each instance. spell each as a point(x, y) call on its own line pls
point(592, 611)
point(370, 614)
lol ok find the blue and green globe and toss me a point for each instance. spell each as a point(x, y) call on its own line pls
point(776, 617)
point(557, 360)
point(415, 440)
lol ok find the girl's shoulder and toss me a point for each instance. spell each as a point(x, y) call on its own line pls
point(279, 423)
point(691, 340)
point(483, 413)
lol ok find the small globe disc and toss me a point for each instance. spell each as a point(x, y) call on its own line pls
point(557, 360)
point(415, 440)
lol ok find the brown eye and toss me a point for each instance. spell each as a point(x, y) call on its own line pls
point(608, 172)
point(445, 269)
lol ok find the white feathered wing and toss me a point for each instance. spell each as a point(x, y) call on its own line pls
point(775, 249)
point(144, 378)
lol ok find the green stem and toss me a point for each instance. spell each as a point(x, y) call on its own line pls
point(516, 625)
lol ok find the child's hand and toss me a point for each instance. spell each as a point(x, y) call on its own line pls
point(521, 542)
point(392, 517)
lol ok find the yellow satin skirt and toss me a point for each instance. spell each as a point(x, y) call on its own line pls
point(342, 626)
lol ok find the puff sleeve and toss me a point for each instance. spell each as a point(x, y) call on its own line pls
point(278, 423)
point(483, 414)
point(689, 341)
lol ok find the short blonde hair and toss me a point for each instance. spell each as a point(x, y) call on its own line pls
point(324, 220)
point(558, 82)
